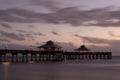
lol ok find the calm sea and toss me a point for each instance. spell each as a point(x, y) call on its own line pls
point(67, 70)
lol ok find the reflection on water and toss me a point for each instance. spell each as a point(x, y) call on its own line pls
point(6, 66)
point(6, 63)
point(31, 62)
point(79, 70)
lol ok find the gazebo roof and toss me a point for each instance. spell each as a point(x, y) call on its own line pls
point(82, 48)
point(49, 44)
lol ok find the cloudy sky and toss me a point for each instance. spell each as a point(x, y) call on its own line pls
point(70, 23)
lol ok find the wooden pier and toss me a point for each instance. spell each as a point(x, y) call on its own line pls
point(7, 55)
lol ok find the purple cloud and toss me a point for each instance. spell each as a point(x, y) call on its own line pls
point(5, 25)
point(93, 40)
point(71, 15)
point(55, 33)
point(4, 40)
point(49, 4)
point(12, 35)
point(113, 35)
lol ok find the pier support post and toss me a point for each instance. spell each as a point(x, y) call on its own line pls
point(97, 56)
point(5, 57)
point(110, 55)
point(43, 57)
point(22, 57)
point(86, 56)
point(35, 57)
point(26, 58)
point(100, 56)
point(89, 56)
point(12, 58)
point(103, 56)
point(31, 57)
point(0, 58)
point(16, 58)
point(93, 56)
point(39, 57)
point(47, 57)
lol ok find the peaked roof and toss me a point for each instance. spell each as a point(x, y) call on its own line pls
point(50, 44)
point(82, 48)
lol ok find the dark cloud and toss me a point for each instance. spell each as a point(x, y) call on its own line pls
point(24, 16)
point(5, 25)
point(93, 40)
point(76, 35)
point(106, 24)
point(20, 35)
point(12, 35)
point(113, 35)
point(49, 4)
point(4, 40)
point(21, 31)
point(29, 35)
point(39, 34)
point(31, 26)
point(55, 33)
point(16, 15)
point(104, 17)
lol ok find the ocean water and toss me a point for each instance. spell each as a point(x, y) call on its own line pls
point(67, 70)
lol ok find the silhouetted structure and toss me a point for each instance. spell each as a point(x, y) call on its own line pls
point(51, 52)
point(50, 46)
point(82, 49)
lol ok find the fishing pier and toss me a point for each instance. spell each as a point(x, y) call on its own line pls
point(51, 52)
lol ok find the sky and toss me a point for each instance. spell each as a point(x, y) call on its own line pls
point(69, 23)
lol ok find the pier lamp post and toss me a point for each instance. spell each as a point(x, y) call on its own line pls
point(5, 46)
point(30, 47)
